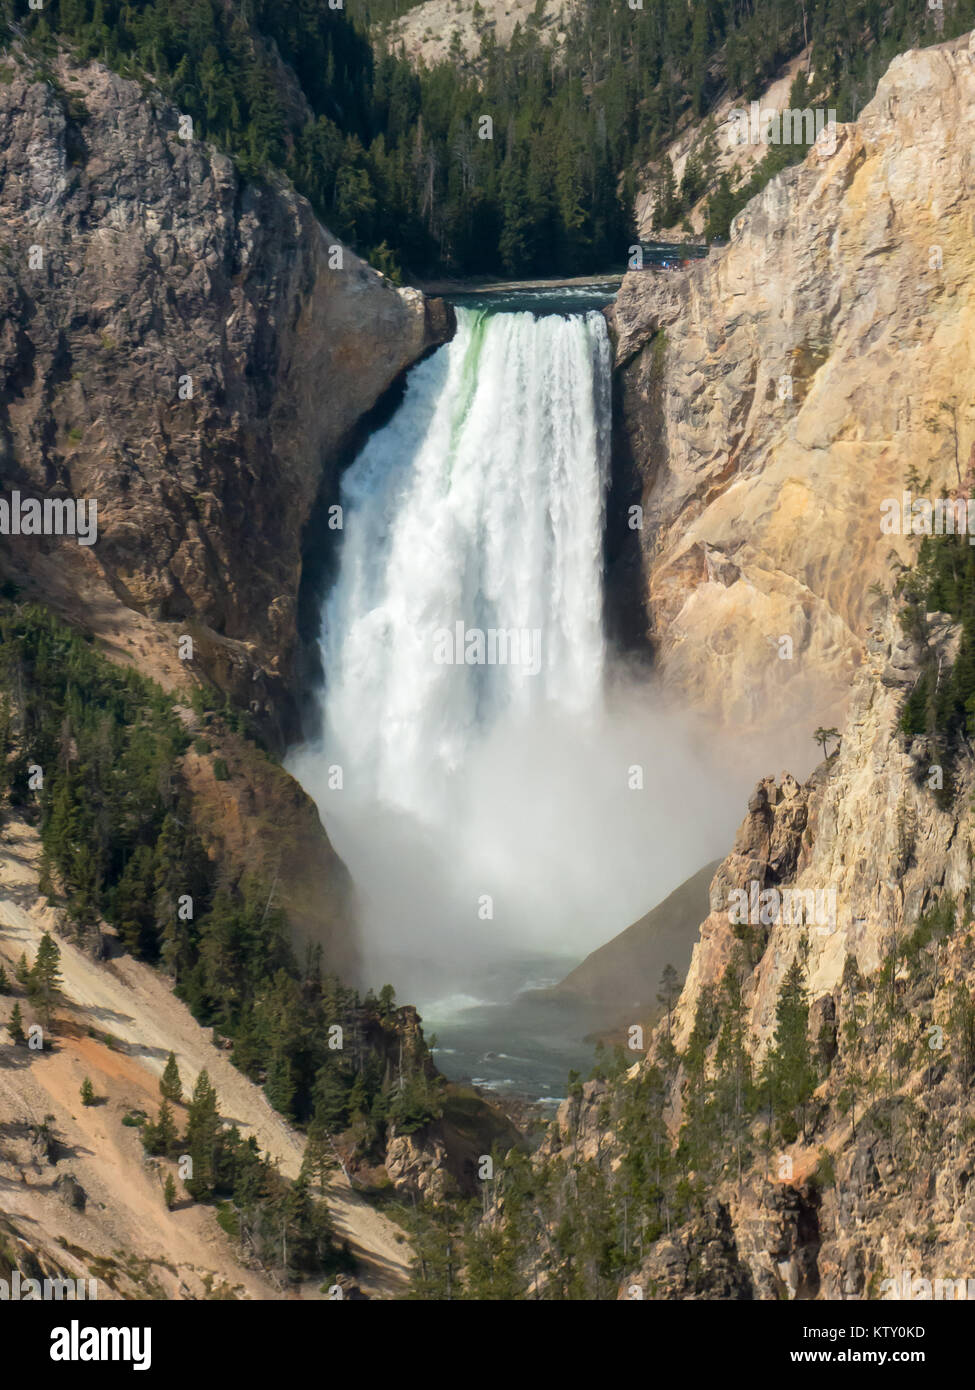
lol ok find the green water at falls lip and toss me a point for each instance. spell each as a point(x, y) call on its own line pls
point(567, 300)
point(465, 399)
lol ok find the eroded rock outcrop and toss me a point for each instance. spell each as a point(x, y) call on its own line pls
point(183, 348)
point(772, 397)
point(864, 841)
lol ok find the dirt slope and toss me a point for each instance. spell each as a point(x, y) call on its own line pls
point(132, 1004)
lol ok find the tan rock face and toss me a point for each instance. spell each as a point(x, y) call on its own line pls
point(863, 843)
point(259, 822)
point(418, 1164)
point(156, 273)
point(773, 396)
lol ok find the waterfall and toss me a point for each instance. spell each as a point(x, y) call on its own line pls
point(477, 788)
point(480, 503)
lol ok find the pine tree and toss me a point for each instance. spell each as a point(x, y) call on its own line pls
point(169, 1192)
point(358, 1098)
point(305, 1228)
point(166, 1136)
point(170, 1086)
point(722, 206)
point(160, 1138)
point(203, 1139)
point(698, 1133)
point(789, 1073)
point(319, 1159)
point(666, 207)
point(331, 1100)
point(16, 1025)
point(4, 981)
point(177, 873)
point(433, 1250)
point(87, 1092)
point(176, 946)
point(491, 1263)
point(280, 1086)
point(133, 905)
point(45, 978)
point(669, 991)
point(824, 737)
point(733, 1082)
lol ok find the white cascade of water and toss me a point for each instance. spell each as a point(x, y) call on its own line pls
point(480, 503)
point(483, 807)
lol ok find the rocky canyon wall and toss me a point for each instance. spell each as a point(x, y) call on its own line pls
point(191, 352)
point(878, 1180)
point(185, 348)
point(773, 396)
point(866, 828)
